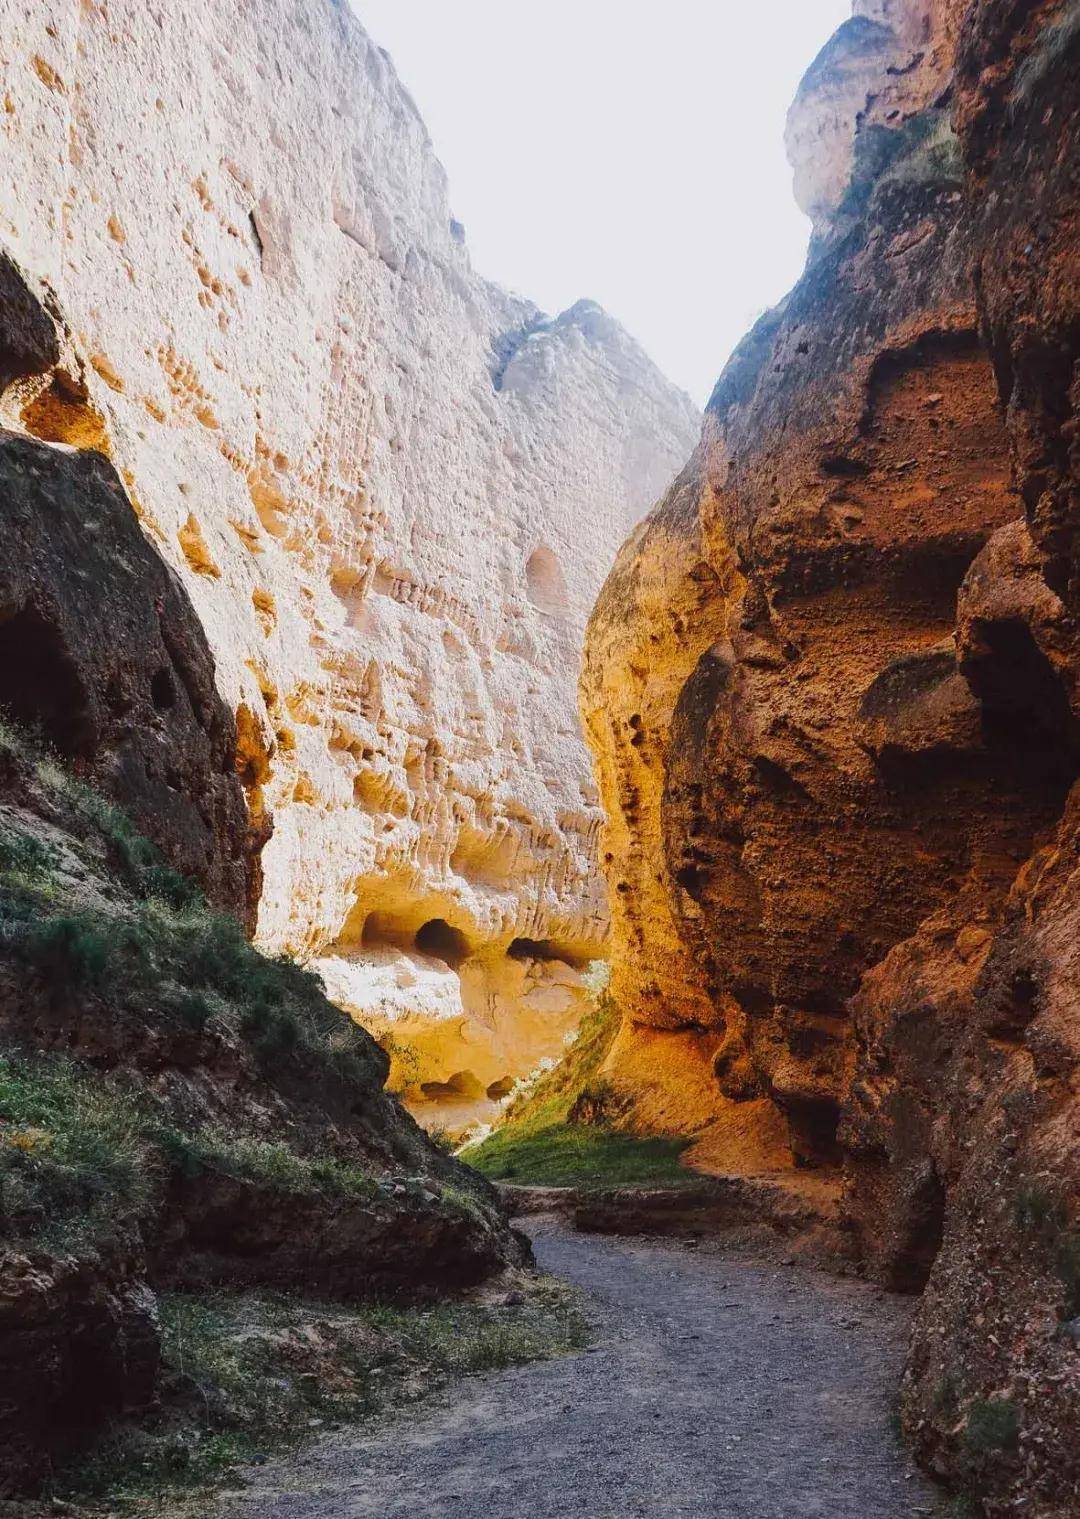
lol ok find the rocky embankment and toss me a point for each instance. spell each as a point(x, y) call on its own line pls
point(390, 488)
point(831, 687)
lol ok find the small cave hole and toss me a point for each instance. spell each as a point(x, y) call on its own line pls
point(691, 879)
point(501, 1088)
point(162, 690)
point(533, 949)
point(439, 939)
point(921, 1236)
point(40, 685)
point(842, 466)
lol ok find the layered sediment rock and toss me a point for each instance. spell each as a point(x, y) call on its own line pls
point(830, 687)
point(390, 488)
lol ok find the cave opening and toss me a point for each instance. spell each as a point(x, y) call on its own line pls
point(533, 949)
point(1024, 703)
point(444, 942)
point(922, 1235)
point(162, 690)
point(39, 683)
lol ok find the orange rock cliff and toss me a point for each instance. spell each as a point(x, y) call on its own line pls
point(830, 687)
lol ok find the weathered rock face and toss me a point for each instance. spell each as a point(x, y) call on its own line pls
point(390, 488)
point(831, 687)
point(100, 647)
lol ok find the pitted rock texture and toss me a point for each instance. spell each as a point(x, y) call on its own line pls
point(830, 686)
point(391, 489)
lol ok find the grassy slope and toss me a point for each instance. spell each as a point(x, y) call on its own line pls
point(558, 1133)
point(91, 914)
point(249, 1374)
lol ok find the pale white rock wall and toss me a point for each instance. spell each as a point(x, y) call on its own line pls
point(891, 60)
point(391, 488)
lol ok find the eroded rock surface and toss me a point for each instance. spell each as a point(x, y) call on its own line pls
point(830, 687)
point(390, 488)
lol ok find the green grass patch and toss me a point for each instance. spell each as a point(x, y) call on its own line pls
point(1042, 1214)
point(23, 856)
point(186, 963)
point(82, 1159)
point(73, 1154)
point(269, 1165)
point(543, 1140)
point(566, 1155)
point(992, 1425)
point(158, 948)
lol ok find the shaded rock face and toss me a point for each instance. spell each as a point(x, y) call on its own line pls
point(390, 488)
point(830, 687)
point(100, 647)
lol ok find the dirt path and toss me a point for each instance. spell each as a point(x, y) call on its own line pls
point(717, 1389)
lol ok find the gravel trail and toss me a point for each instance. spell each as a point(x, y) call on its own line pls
point(718, 1388)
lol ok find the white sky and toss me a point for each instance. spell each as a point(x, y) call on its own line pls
point(626, 150)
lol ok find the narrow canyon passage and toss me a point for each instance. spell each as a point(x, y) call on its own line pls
point(716, 1387)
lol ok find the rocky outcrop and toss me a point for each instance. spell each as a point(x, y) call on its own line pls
point(830, 687)
point(390, 488)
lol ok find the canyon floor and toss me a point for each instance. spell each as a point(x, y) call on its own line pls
point(718, 1385)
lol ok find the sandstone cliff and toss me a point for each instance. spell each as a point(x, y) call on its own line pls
point(390, 488)
point(830, 686)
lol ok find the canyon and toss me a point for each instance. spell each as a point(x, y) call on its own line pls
point(831, 690)
point(390, 489)
point(308, 530)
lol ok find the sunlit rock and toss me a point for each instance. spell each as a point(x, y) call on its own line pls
point(390, 487)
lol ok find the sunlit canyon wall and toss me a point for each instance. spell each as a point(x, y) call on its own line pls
point(391, 488)
point(831, 686)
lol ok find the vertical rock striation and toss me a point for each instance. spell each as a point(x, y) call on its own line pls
point(391, 489)
point(830, 687)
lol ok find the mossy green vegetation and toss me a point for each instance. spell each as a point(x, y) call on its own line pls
point(558, 1131)
point(83, 1158)
point(922, 152)
point(248, 1374)
point(114, 919)
point(1041, 1214)
point(573, 1155)
point(271, 1165)
point(74, 1162)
